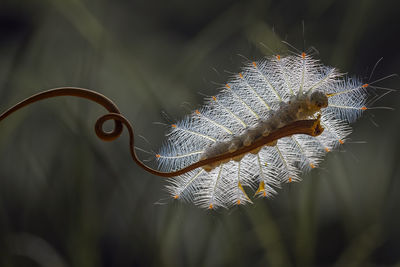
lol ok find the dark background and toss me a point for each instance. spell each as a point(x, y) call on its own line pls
point(69, 199)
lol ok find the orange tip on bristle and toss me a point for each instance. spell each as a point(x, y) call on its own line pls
point(158, 155)
point(197, 112)
point(241, 75)
point(341, 141)
point(227, 85)
point(303, 55)
point(278, 57)
point(254, 64)
point(290, 179)
point(173, 125)
point(176, 196)
point(365, 85)
point(238, 202)
point(327, 149)
point(264, 193)
point(312, 166)
point(210, 207)
point(364, 108)
point(214, 98)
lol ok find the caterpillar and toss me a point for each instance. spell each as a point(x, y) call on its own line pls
point(271, 122)
point(266, 95)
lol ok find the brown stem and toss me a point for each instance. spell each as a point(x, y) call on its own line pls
point(309, 127)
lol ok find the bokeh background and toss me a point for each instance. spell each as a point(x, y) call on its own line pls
point(69, 199)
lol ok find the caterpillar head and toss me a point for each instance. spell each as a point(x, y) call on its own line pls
point(317, 100)
point(307, 104)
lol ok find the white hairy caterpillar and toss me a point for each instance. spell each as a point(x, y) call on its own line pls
point(266, 95)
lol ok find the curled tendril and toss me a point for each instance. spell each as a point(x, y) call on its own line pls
point(309, 127)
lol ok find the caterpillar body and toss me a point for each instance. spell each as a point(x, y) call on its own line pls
point(266, 95)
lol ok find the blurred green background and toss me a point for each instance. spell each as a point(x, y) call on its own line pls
point(69, 199)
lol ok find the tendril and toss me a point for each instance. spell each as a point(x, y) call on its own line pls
point(309, 127)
